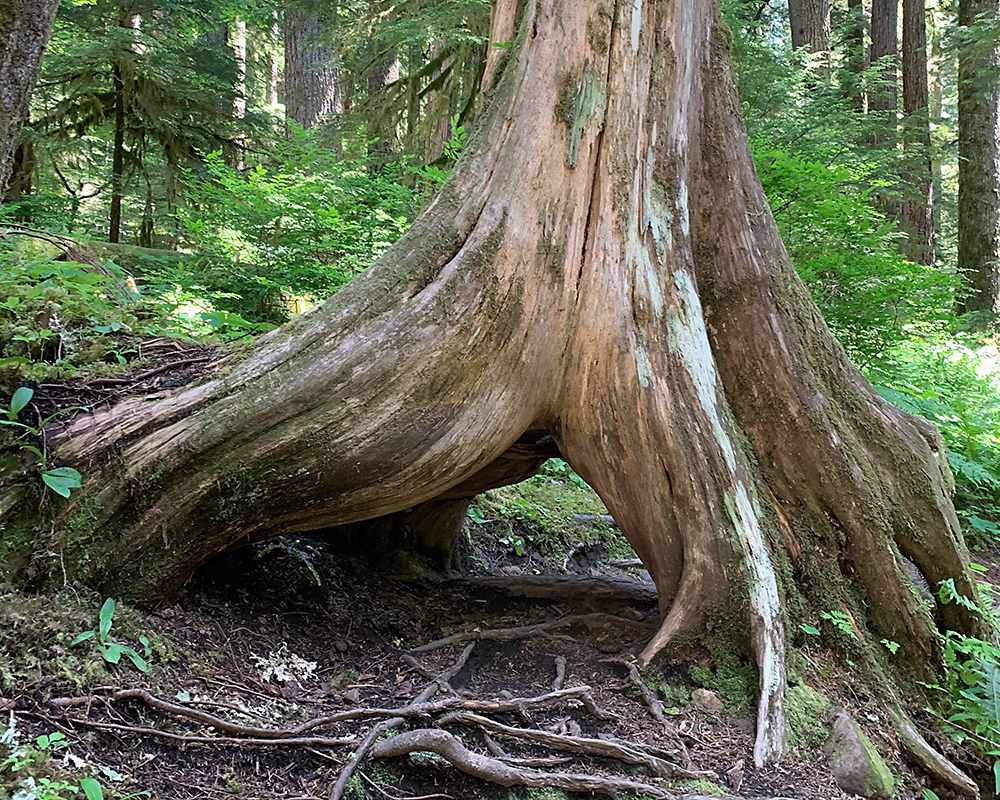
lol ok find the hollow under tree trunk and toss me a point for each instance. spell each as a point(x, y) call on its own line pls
point(602, 267)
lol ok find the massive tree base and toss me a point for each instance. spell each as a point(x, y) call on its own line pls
point(602, 268)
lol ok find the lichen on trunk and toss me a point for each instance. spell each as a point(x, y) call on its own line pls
point(602, 269)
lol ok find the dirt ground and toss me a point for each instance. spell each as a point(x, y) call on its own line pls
point(291, 631)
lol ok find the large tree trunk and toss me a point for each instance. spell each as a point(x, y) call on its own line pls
point(601, 267)
point(25, 26)
point(810, 24)
point(312, 69)
point(979, 164)
point(918, 206)
point(855, 54)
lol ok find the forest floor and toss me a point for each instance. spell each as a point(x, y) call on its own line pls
point(291, 631)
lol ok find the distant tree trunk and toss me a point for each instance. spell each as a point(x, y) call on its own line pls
point(25, 26)
point(118, 155)
point(312, 69)
point(979, 163)
point(237, 36)
point(884, 34)
point(810, 24)
point(918, 205)
point(382, 126)
point(935, 88)
point(274, 72)
point(856, 54)
point(600, 274)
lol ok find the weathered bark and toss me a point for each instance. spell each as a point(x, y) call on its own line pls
point(25, 26)
point(979, 164)
point(312, 69)
point(884, 33)
point(602, 266)
point(918, 207)
point(810, 24)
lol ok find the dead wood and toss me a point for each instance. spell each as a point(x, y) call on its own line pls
point(581, 745)
point(394, 722)
point(525, 631)
point(386, 794)
point(590, 591)
point(489, 769)
point(560, 679)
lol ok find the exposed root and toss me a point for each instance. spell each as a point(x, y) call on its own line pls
point(524, 631)
point(582, 745)
point(655, 706)
point(376, 732)
point(930, 759)
point(297, 741)
point(489, 769)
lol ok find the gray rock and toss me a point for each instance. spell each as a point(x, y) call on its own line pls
point(706, 700)
point(857, 766)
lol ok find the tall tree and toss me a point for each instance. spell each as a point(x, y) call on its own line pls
point(604, 279)
point(25, 26)
point(918, 205)
point(312, 70)
point(979, 156)
point(810, 24)
point(884, 48)
point(856, 55)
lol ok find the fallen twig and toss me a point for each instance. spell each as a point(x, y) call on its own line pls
point(489, 769)
point(395, 722)
point(581, 745)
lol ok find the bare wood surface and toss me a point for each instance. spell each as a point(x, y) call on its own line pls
point(489, 769)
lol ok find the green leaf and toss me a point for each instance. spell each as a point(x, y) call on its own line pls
point(20, 399)
point(144, 640)
point(92, 789)
point(83, 637)
point(812, 631)
point(996, 777)
point(105, 617)
point(61, 479)
point(929, 795)
point(137, 661)
point(111, 652)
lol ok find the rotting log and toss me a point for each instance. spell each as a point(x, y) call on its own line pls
point(601, 267)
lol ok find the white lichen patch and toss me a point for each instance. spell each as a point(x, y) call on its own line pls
point(282, 666)
point(636, 24)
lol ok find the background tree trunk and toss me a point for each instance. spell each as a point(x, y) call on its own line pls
point(810, 24)
point(608, 274)
point(979, 164)
point(25, 26)
point(856, 53)
point(918, 207)
point(312, 69)
point(884, 35)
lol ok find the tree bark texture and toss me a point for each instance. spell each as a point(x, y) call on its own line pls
point(810, 24)
point(856, 54)
point(979, 164)
point(602, 268)
point(25, 26)
point(918, 206)
point(885, 45)
point(312, 69)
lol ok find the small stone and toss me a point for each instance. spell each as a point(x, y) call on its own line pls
point(857, 767)
point(291, 690)
point(746, 726)
point(506, 694)
point(340, 646)
point(706, 700)
point(353, 696)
